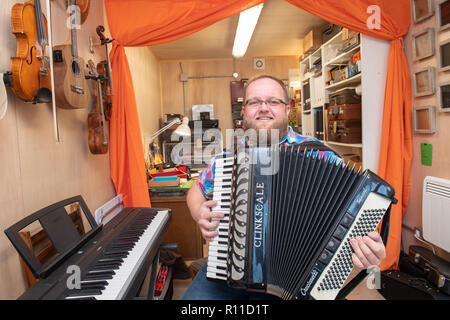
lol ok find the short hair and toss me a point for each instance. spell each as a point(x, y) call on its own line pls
point(262, 76)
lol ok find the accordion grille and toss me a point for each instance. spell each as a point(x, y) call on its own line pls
point(308, 200)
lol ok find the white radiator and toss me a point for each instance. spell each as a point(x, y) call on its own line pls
point(436, 212)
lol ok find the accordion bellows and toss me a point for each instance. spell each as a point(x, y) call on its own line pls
point(289, 216)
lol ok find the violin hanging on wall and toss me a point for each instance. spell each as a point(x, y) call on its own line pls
point(104, 68)
point(98, 143)
point(29, 77)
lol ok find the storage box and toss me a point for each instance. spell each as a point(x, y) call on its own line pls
point(344, 131)
point(170, 181)
point(338, 74)
point(344, 96)
point(329, 31)
point(344, 112)
point(312, 41)
point(356, 57)
point(348, 34)
point(351, 70)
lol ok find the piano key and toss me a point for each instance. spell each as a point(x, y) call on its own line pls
point(217, 256)
point(219, 241)
point(93, 286)
point(110, 260)
point(93, 283)
point(117, 286)
point(216, 250)
point(217, 271)
point(221, 267)
point(103, 266)
point(101, 272)
point(212, 275)
point(81, 298)
point(97, 277)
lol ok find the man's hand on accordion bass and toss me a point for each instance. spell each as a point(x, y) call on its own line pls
point(207, 225)
point(368, 250)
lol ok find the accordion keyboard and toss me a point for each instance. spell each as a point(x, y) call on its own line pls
point(218, 248)
point(338, 269)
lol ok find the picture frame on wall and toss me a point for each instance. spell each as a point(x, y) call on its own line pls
point(424, 82)
point(423, 44)
point(424, 119)
point(444, 97)
point(422, 10)
point(443, 14)
point(444, 56)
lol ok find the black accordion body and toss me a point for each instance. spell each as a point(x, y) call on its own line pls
point(289, 216)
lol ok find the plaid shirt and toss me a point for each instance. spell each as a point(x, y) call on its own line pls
point(206, 177)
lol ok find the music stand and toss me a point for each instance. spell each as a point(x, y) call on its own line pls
point(60, 230)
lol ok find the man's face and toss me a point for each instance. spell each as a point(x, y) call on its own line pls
point(264, 116)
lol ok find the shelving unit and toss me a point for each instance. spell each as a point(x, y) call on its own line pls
point(312, 85)
point(371, 81)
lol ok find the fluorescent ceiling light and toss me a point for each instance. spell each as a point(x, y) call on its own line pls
point(244, 31)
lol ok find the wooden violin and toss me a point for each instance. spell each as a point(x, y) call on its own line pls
point(104, 68)
point(29, 75)
point(98, 143)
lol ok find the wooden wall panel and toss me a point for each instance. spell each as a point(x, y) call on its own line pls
point(36, 171)
point(213, 90)
point(439, 140)
point(146, 80)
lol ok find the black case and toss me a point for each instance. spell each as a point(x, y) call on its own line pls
point(397, 285)
point(435, 269)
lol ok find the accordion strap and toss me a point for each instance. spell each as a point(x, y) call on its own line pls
point(384, 232)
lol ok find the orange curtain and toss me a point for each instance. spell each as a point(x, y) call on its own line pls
point(386, 19)
point(134, 23)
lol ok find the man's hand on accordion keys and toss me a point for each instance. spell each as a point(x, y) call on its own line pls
point(368, 250)
point(207, 225)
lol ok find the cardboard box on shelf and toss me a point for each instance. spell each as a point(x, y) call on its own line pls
point(348, 34)
point(312, 41)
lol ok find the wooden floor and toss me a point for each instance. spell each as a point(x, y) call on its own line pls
point(179, 286)
point(361, 292)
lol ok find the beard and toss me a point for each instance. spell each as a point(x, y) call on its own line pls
point(262, 135)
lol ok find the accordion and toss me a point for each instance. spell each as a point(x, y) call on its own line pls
point(289, 213)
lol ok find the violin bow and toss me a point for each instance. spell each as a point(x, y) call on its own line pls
point(52, 79)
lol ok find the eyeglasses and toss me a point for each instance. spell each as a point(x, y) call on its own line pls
point(273, 102)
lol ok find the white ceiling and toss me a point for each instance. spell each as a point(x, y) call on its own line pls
point(279, 31)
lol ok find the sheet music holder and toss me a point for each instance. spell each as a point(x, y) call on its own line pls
point(60, 230)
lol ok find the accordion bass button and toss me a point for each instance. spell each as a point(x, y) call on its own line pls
point(340, 232)
point(347, 220)
point(333, 244)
